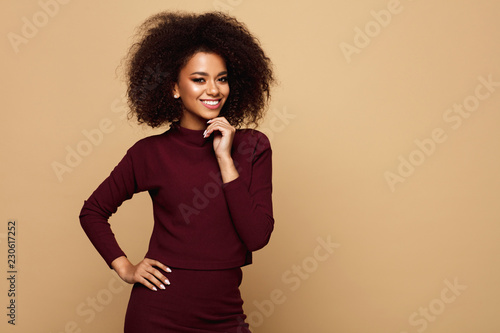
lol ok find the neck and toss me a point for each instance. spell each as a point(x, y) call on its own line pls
point(189, 136)
point(193, 123)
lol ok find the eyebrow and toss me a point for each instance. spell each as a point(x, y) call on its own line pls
point(206, 74)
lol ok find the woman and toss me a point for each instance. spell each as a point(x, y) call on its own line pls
point(204, 75)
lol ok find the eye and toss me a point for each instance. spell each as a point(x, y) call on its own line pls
point(223, 79)
point(198, 80)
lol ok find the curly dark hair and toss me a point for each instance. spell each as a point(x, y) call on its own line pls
point(166, 43)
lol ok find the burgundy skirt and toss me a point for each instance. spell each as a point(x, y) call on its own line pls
point(195, 302)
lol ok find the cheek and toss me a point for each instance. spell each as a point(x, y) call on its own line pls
point(191, 89)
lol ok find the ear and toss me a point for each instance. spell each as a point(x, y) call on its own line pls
point(175, 92)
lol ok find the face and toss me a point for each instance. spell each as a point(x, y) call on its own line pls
point(203, 88)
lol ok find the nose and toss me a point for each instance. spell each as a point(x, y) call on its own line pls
point(212, 88)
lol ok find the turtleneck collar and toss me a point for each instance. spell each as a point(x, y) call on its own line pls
point(190, 136)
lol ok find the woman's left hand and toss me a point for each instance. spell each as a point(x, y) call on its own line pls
point(223, 139)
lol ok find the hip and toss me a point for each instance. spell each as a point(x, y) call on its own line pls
point(195, 301)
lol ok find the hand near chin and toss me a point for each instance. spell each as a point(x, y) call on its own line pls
point(223, 134)
point(145, 272)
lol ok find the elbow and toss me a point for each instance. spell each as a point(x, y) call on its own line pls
point(81, 217)
point(88, 216)
point(84, 215)
point(85, 223)
point(257, 243)
point(91, 213)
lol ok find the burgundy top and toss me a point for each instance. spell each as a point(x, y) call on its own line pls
point(199, 223)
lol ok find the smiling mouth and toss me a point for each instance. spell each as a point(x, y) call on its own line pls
point(211, 102)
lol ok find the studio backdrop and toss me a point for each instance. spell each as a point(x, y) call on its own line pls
point(386, 156)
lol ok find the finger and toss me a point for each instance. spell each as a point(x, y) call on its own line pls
point(160, 277)
point(154, 263)
point(162, 266)
point(147, 284)
point(157, 274)
point(151, 278)
point(218, 126)
point(221, 121)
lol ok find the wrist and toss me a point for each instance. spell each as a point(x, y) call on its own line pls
point(121, 265)
point(226, 164)
point(226, 158)
point(228, 169)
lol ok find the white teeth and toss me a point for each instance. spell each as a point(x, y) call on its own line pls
point(211, 102)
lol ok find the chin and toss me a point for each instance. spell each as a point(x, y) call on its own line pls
point(210, 115)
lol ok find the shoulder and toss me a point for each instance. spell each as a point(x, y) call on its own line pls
point(148, 144)
point(252, 136)
point(251, 140)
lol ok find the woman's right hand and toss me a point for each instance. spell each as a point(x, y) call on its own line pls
point(145, 272)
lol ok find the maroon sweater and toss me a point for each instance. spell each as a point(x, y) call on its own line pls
point(199, 222)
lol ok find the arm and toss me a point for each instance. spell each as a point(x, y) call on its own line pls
point(104, 202)
point(250, 205)
point(118, 187)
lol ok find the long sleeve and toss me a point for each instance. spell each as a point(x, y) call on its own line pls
point(104, 201)
point(250, 205)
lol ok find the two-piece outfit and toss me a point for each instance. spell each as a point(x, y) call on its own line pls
point(204, 230)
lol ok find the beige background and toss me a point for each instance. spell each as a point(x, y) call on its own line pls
point(340, 123)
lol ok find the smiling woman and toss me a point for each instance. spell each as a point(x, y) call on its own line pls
point(203, 89)
point(210, 77)
point(167, 41)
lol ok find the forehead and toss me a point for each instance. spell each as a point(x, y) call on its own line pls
point(205, 62)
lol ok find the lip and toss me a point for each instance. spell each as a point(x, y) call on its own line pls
point(211, 107)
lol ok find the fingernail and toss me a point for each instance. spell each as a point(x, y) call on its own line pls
point(169, 270)
point(162, 286)
point(204, 133)
point(167, 282)
point(154, 288)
